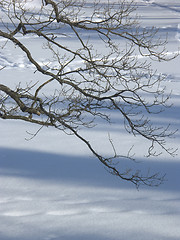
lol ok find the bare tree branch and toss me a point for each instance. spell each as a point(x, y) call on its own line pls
point(90, 83)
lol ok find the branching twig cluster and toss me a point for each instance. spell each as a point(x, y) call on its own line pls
point(112, 78)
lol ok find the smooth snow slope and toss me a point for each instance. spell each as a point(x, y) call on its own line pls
point(51, 188)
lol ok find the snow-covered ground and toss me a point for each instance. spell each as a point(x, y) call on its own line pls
point(51, 188)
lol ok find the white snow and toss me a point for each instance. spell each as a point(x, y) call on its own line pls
point(52, 188)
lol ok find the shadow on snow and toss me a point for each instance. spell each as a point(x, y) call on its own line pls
point(78, 170)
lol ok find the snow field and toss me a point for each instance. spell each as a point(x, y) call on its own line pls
point(51, 188)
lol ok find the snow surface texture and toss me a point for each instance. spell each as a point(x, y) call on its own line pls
point(52, 189)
